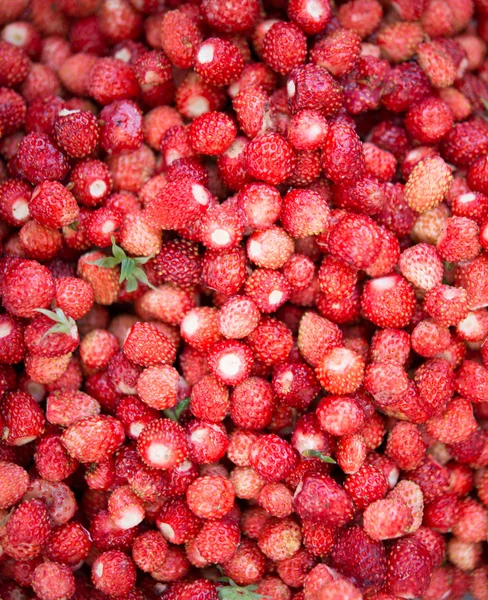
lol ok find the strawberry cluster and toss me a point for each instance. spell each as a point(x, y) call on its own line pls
point(244, 299)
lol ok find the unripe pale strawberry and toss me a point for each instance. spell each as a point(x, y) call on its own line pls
point(428, 184)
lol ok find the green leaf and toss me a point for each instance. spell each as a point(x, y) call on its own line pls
point(73, 225)
point(317, 454)
point(484, 103)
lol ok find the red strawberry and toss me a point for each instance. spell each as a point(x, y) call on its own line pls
point(145, 345)
point(93, 439)
point(409, 568)
point(309, 503)
point(360, 559)
point(23, 419)
point(162, 444)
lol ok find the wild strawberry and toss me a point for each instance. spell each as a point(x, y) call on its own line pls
point(311, 348)
point(411, 495)
point(14, 482)
point(114, 573)
point(218, 61)
point(29, 524)
point(147, 346)
point(68, 544)
point(149, 551)
point(304, 213)
point(399, 41)
point(247, 566)
point(270, 158)
point(387, 519)
point(218, 540)
point(66, 407)
point(125, 508)
point(409, 568)
point(307, 505)
point(429, 121)
point(247, 483)
point(27, 285)
point(210, 497)
point(22, 418)
point(470, 522)
point(396, 297)
point(230, 361)
point(162, 444)
point(93, 439)
point(405, 446)
point(338, 52)
point(51, 580)
point(260, 204)
point(307, 130)
point(366, 486)
point(428, 184)
point(187, 194)
point(341, 167)
point(284, 47)
point(111, 80)
point(436, 64)
point(221, 228)
point(176, 522)
point(280, 539)
point(429, 338)
point(340, 371)
point(15, 64)
point(346, 243)
point(105, 281)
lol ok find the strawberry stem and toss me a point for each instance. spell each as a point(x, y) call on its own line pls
point(63, 323)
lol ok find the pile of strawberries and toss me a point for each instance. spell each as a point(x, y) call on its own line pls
point(244, 290)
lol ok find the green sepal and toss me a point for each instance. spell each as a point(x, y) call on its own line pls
point(484, 103)
point(63, 323)
point(317, 454)
point(175, 413)
point(236, 592)
point(130, 269)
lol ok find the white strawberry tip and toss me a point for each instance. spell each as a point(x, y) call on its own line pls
point(230, 365)
point(20, 210)
point(159, 454)
point(166, 531)
point(197, 107)
point(5, 330)
point(98, 188)
point(130, 517)
point(205, 54)
point(220, 237)
point(200, 194)
point(314, 9)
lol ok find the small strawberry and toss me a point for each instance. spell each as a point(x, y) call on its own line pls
point(114, 573)
point(218, 540)
point(145, 345)
point(22, 418)
point(280, 539)
point(396, 297)
point(149, 551)
point(306, 500)
point(50, 580)
point(340, 371)
point(428, 184)
point(409, 568)
point(162, 444)
point(93, 439)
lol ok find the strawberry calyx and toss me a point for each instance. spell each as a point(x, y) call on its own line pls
point(130, 267)
point(236, 592)
point(63, 323)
